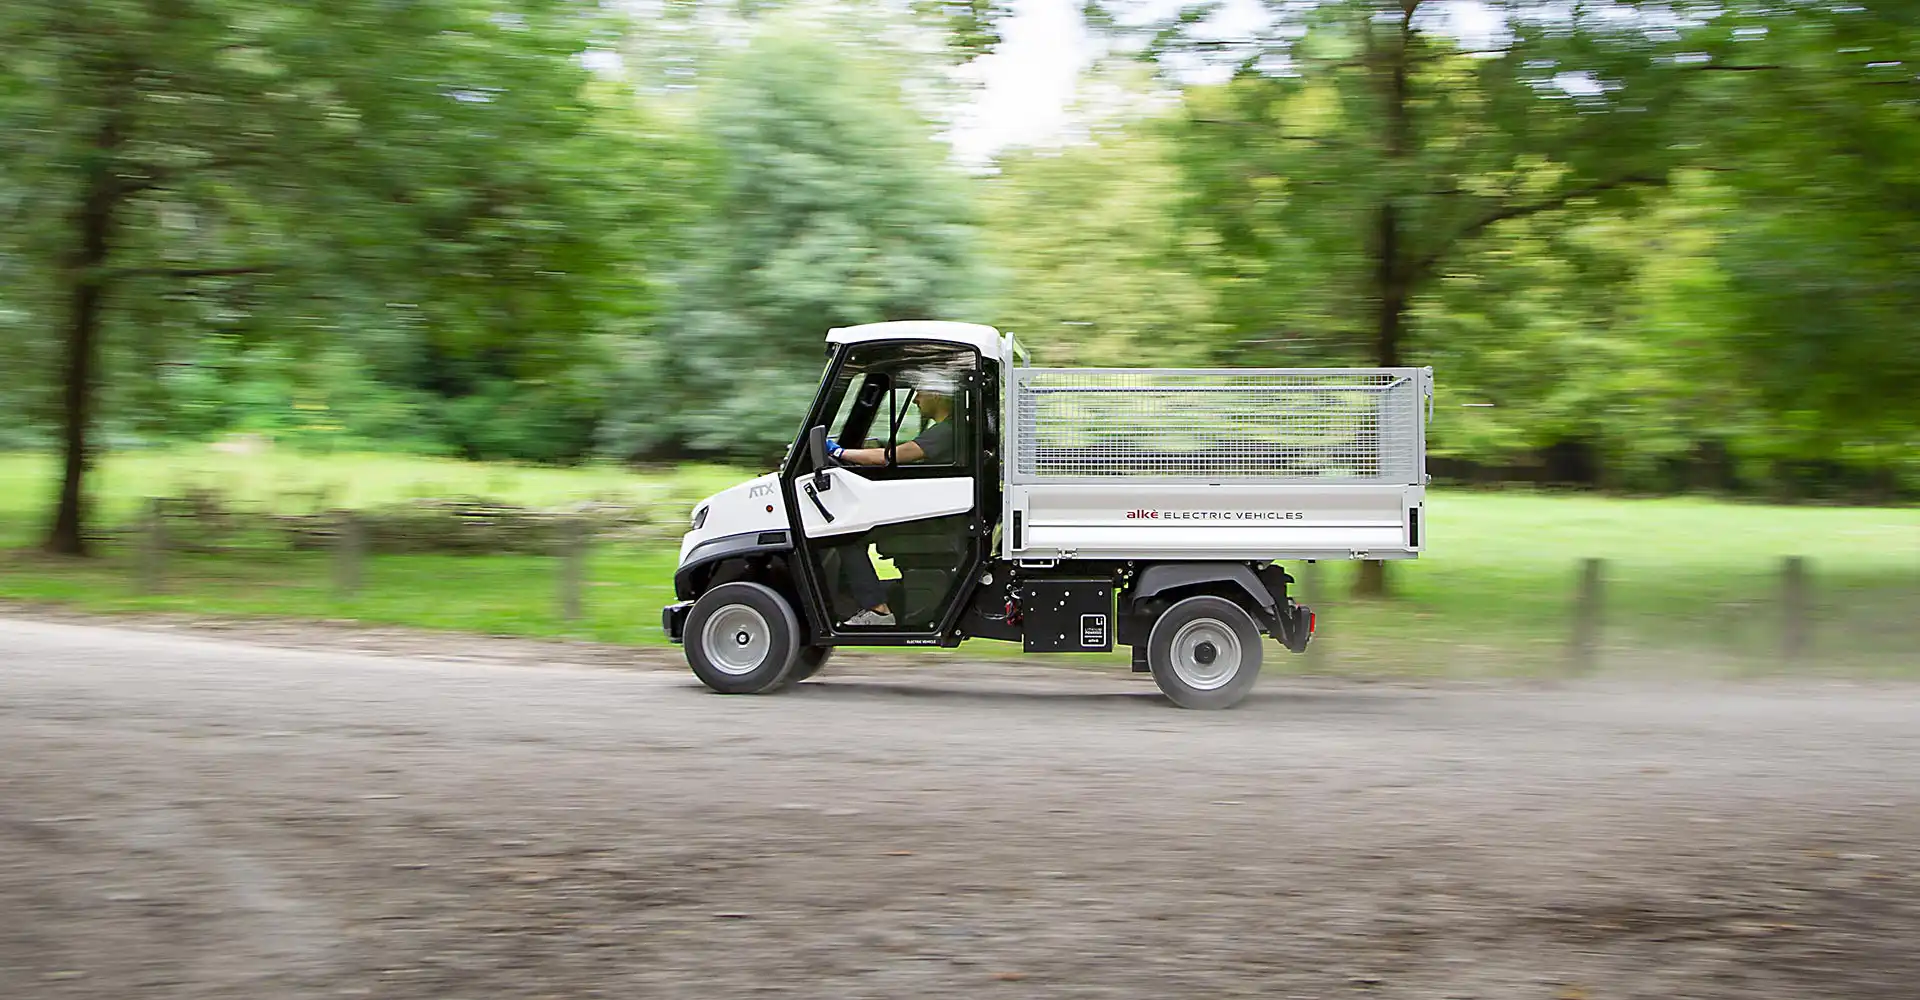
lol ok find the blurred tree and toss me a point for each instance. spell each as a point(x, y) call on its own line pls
point(1360, 136)
point(1611, 329)
point(430, 169)
point(832, 205)
point(1096, 267)
point(972, 26)
point(1815, 112)
point(1758, 325)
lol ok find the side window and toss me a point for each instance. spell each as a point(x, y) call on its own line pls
point(911, 399)
point(936, 427)
point(930, 412)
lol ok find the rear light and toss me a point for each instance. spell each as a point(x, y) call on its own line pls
point(1313, 621)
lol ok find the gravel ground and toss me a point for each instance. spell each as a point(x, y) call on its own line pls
point(185, 816)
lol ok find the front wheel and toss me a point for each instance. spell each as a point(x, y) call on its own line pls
point(808, 663)
point(812, 658)
point(1204, 653)
point(742, 638)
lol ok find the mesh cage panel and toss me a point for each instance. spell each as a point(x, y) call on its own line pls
point(1314, 426)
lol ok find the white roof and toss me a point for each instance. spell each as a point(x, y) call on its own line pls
point(984, 339)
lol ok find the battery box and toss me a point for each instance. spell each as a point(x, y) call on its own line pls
point(1066, 616)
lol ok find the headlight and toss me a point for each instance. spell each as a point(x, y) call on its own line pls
point(699, 518)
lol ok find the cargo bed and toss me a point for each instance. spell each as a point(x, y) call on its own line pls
point(1141, 464)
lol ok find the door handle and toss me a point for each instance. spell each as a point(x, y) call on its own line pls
point(815, 497)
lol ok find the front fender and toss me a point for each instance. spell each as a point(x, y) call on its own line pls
point(703, 556)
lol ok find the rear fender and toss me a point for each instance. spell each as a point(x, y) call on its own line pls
point(1167, 577)
point(1234, 581)
point(1263, 593)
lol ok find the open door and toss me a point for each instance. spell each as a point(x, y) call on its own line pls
point(888, 533)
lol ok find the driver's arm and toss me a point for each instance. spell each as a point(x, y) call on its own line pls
point(907, 454)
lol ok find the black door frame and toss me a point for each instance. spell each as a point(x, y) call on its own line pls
point(813, 591)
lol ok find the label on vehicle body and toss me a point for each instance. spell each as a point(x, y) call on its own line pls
point(1216, 515)
point(1093, 631)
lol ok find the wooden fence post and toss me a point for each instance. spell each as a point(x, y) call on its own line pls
point(1585, 650)
point(349, 546)
point(1793, 609)
point(573, 567)
point(153, 548)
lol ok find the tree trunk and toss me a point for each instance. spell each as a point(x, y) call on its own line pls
point(85, 278)
point(1390, 289)
point(1371, 581)
point(1391, 297)
point(1392, 262)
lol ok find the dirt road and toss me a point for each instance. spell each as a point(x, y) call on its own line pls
point(192, 818)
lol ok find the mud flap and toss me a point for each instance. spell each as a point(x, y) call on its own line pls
point(1296, 627)
point(1293, 622)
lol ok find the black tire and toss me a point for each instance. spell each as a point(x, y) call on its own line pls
point(1204, 653)
point(812, 658)
point(742, 638)
point(808, 663)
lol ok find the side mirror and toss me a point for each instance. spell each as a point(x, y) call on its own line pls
point(817, 451)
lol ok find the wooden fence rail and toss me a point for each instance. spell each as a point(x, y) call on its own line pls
point(573, 540)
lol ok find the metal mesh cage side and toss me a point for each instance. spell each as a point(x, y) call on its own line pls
point(1318, 426)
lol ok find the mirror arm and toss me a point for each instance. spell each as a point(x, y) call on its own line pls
point(817, 450)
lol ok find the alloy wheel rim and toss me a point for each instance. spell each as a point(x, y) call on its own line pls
point(1205, 654)
point(737, 639)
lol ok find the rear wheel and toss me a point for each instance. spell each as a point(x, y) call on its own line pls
point(1204, 652)
point(742, 638)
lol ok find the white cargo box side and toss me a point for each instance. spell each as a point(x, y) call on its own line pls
point(1215, 464)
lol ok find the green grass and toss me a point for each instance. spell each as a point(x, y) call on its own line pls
point(290, 482)
point(1691, 584)
point(501, 594)
point(495, 595)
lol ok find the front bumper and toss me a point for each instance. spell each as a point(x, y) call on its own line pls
point(673, 618)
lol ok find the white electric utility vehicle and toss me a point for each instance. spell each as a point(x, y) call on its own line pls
point(940, 491)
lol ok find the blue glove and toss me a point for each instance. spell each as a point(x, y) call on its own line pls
point(833, 449)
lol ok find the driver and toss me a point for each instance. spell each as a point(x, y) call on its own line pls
point(934, 445)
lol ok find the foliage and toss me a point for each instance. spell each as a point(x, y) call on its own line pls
point(1098, 268)
point(832, 206)
point(1819, 138)
point(1384, 154)
point(1656, 246)
point(257, 476)
point(972, 26)
point(1751, 329)
point(225, 168)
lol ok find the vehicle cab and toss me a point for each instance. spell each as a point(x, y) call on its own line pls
point(895, 468)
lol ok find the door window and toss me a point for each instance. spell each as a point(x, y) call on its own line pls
point(907, 402)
